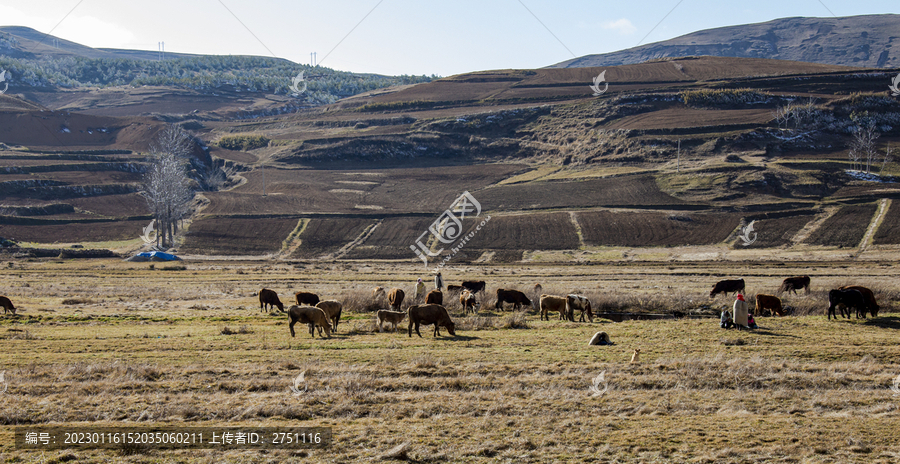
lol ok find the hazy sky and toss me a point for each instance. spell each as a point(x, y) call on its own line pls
point(403, 36)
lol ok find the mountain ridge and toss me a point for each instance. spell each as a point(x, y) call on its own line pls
point(862, 41)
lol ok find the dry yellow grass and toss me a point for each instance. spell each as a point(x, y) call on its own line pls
point(147, 348)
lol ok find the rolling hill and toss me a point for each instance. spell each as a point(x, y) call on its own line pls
point(676, 154)
point(864, 41)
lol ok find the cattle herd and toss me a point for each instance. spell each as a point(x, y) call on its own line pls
point(324, 315)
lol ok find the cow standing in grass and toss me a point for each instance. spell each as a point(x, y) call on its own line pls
point(574, 302)
point(517, 298)
point(467, 300)
point(307, 298)
point(727, 286)
point(552, 303)
point(767, 303)
point(395, 298)
point(846, 299)
point(312, 316)
point(474, 286)
point(391, 317)
point(868, 295)
point(333, 310)
point(7, 305)
point(430, 314)
point(434, 297)
point(792, 284)
point(269, 298)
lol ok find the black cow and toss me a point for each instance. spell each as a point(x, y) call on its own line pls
point(792, 284)
point(515, 297)
point(474, 286)
point(846, 299)
point(727, 286)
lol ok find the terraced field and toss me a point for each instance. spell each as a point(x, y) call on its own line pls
point(608, 228)
point(238, 236)
point(846, 228)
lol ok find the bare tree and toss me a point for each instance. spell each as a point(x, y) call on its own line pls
point(798, 115)
point(888, 158)
point(167, 187)
point(863, 145)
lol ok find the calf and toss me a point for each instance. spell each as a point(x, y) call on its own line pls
point(846, 299)
point(764, 303)
point(7, 305)
point(430, 314)
point(391, 317)
point(395, 298)
point(727, 286)
point(311, 315)
point(515, 297)
point(269, 298)
point(307, 298)
point(333, 310)
point(467, 300)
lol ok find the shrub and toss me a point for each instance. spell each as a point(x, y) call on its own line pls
point(722, 97)
point(243, 142)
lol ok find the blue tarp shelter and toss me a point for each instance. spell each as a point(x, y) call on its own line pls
point(154, 256)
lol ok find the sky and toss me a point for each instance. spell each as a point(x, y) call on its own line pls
point(403, 36)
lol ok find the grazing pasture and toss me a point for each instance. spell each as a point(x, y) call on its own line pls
point(147, 347)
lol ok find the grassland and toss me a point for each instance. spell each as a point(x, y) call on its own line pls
point(106, 342)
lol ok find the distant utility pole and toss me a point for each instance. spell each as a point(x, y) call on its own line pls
point(678, 158)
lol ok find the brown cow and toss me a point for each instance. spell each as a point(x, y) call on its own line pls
point(430, 314)
point(552, 303)
point(467, 300)
point(792, 284)
point(332, 309)
point(269, 298)
point(764, 303)
point(311, 315)
point(727, 286)
point(434, 297)
point(307, 298)
point(395, 298)
point(515, 297)
point(868, 295)
point(7, 305)
point(391, 317)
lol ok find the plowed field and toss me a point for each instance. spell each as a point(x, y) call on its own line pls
point(846, 228)
point(74, 232)
point(639, 190)
point(323, 236)
point(609, 228)
point(237, 236)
